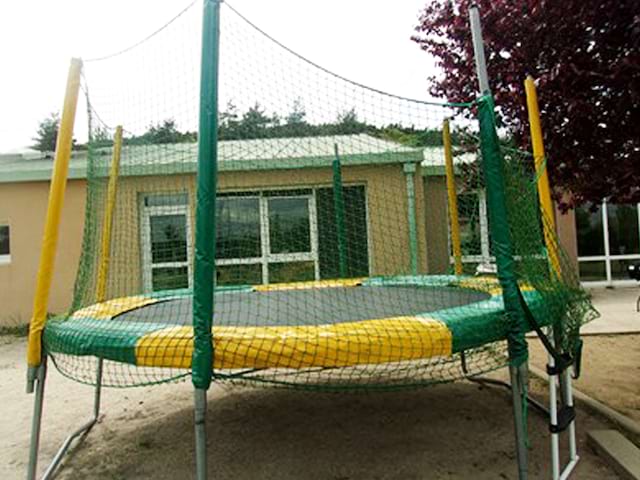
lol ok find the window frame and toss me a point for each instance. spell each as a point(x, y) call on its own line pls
point(485, 256)
point(145, 239)
point(5, 258)
point(266, 256)
point(607, 257)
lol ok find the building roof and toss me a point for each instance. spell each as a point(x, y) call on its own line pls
point(433, 163)
point(233, 155)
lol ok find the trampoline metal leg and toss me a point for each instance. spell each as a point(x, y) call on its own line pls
point(82, 431)
point(200, 398)
point(518, 382)
point(36, 422)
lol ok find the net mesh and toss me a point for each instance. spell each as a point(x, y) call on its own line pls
point(335, 267)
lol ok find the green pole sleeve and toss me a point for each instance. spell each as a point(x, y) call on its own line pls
point(204, 258)
point(409, 171)
point(338, 204)
point(493, 168)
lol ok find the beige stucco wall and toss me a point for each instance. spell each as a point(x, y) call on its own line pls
point(23, 207)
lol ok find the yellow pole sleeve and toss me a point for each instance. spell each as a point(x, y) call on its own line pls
point(54, 211)
point(453, 199)
point(107, 223)
point(544, 190)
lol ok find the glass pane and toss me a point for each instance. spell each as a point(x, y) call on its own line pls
point(469, 219)
point(291, 272)
point(294, 192)
point(170, 278)
point(590, 236)
point(289, 225)
point(169, 199)
point(239, 274)
point(620, 269)
point(623, 229)
point(4, 240)
point(238, 227)
point(355, 219)
point(168, 238)
point(592, 271)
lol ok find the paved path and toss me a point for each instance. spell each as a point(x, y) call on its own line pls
point(617, 307)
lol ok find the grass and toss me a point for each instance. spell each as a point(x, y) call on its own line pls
point(15, 330)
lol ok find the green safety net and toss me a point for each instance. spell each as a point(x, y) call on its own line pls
point(328, 257)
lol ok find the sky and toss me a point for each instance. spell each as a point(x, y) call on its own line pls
point(352, 38)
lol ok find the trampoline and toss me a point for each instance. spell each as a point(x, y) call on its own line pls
point(371, 321)
point(309, 237)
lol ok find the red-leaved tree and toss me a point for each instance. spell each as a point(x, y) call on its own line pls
point(585, 55)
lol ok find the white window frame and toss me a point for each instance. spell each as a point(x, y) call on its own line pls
point(485, 256)
point(607, 258)
point(266, 256)
point(5, 259)
point(147, 260)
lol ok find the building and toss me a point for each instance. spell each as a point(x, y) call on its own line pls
point(266, 192)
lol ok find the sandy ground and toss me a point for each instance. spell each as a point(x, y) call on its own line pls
point(456, 431)
point(610, 370)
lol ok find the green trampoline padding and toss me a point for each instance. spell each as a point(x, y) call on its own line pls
point(313, 324)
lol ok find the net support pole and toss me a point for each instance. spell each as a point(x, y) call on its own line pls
point(409, 172)
point(493, 168)
point(338, 205)
point(544, 188)
point(452, 199)
point(205, 242)
point(64, 144)
point(107, 223)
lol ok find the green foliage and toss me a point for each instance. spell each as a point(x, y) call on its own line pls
point(160, 133)
point(47, 134)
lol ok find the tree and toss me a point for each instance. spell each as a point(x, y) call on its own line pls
point(585, 55)
point(47, 134)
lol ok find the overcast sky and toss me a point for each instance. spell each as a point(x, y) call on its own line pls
point(352, 38)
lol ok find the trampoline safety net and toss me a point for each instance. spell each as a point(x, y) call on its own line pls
point(349, 254)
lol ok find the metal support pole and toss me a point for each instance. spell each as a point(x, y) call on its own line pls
point(478, 49)
point(36, 421)
point(81, 432)
point(519, 382)
point(504, 256)
point(200, 410)
point(553, 419)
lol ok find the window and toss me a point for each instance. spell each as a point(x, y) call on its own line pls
point(261, 237)
point(474, 230)
point(590, 231)
point(266, 237)
point(608, 241)
point(5, 246)
point(357, 241)
point(165, 242)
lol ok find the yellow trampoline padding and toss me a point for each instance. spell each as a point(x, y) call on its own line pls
point(490, 285)
point(112, 308)
point(346, 344)
point(349, 282)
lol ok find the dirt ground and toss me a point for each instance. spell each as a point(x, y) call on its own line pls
point(610, 370)
point(456, 431)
